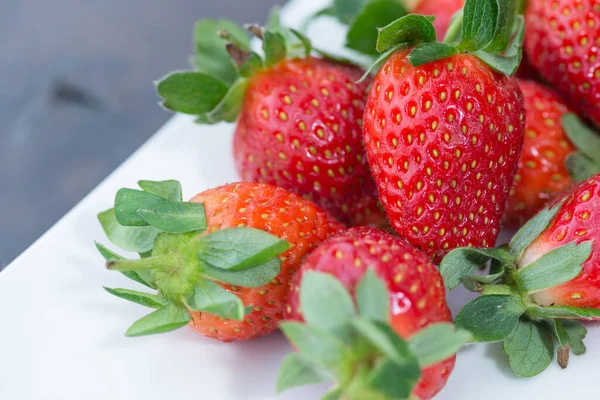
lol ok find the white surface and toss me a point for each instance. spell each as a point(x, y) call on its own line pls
point(61, 335)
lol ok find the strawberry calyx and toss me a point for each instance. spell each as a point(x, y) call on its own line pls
point(491, 30)
point(223, 64)
point(507, 310)
point(585, 162)
point(180, 259)
point(351, 342)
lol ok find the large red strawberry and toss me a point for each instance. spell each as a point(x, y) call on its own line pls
point(299, 118)
point(221, 263)
point(443, 132)
point(562, 42)
point(542, 282)
point(409, 297)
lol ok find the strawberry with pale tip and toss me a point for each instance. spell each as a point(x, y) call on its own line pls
point(399, 294)
point(220, 263)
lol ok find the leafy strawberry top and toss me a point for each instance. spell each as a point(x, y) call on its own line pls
point(492, 30)
point(224, 62)
point(351, 342)
point(180, 260)
point(507, 312)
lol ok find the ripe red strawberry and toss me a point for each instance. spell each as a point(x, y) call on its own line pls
point(199, 279)
point(562, 41)
point(443, 10)
point(443, 133)
point(547, 277)
point(547, 150)
point(415, 295)
point(299, 118)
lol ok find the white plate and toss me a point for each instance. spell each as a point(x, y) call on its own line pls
point(61, 335)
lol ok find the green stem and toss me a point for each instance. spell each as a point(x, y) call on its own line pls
point(164, 261)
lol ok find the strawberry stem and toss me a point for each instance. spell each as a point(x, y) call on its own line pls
point(164, 261)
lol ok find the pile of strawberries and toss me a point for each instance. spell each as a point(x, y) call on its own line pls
point(424, 157)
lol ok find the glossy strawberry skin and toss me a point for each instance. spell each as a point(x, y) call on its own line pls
point(417, 295)
point(279, 213)
point(301, 129)
point(443, 141)
point(443, 10)
point(542, 172)
point(562, 40)
point(578, 219)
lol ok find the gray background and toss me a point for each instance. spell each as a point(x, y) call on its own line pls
point(77, 96)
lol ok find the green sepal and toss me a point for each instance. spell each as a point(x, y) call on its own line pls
point(453, 34)
point(326, 304)
point(563, 312)
point(586, 161)
point(252, 278)
point(437, 342)
point(408, 30)
point(317, 345)
point(531, 230)
point(491, 318)
point(274, 46)
point(191, 92)
point(362, 30)
point(429, 52)
point(334, 393)
point(385, 339)
point(169, 190)
point(144, 299)
point(131, 238)
point(497, 270)
point(461, 263)
point(237, 249)
point(570, 335)
point(166, 319)
point(581, 167)
point(253, 64)
point(554, 268)
point(211, 56)
point(231, 104)
point(175, 217)
point(529, 349)
point(478, 24)
point(372, 298)
point(392, 379)
point(212, 298)
point(346, 10)
point(379, 61)
point(507, 61)
point(504, 30)
point(129, 201)
point(296, 370)
point(296, 43)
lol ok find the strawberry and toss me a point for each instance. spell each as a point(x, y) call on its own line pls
point(443, 10)
point(562, 42)
point(546, 279)
point(220, 263)
point(443, 132)
point(409, 298)
point(299, 118)
point(543, 171)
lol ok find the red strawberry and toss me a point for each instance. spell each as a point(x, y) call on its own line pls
point(547, 277)
point(562, 42)
point(299, 118)
point(443, 133)
point(443, 10)
point(199, 278)
point(543, 171)
point(415, 291)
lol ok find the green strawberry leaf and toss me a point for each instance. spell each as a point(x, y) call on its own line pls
point(479, 24)
point(143, 277)
point(169, 190)
point(249, 68)
point(167, 318)
point(254, 277)
point(581, 167)
point(394, 380)
point(362, 31)
point(145, 299)
point(531, 230)
point(274, 46)
point(563, 312)
point(429, 52)
point(129, 201)
point(315, 344)
point(372, 297)
point(193, 93)
point(507, 10)
point(237, 249)
point(326, 304)
point(175, 217)
point(212, 298)
point(529, 349)
point(461, 263)
point(408, 30)
point(211, 55)
point(586, 140)
point(385, 339)
point(491, 318)
point(297, 371)
point(437, 342)
point(131, 238)
point(554, 268)
point(231, 104)
point(345, 10)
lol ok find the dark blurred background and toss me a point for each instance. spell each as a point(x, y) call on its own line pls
point(77, 96)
